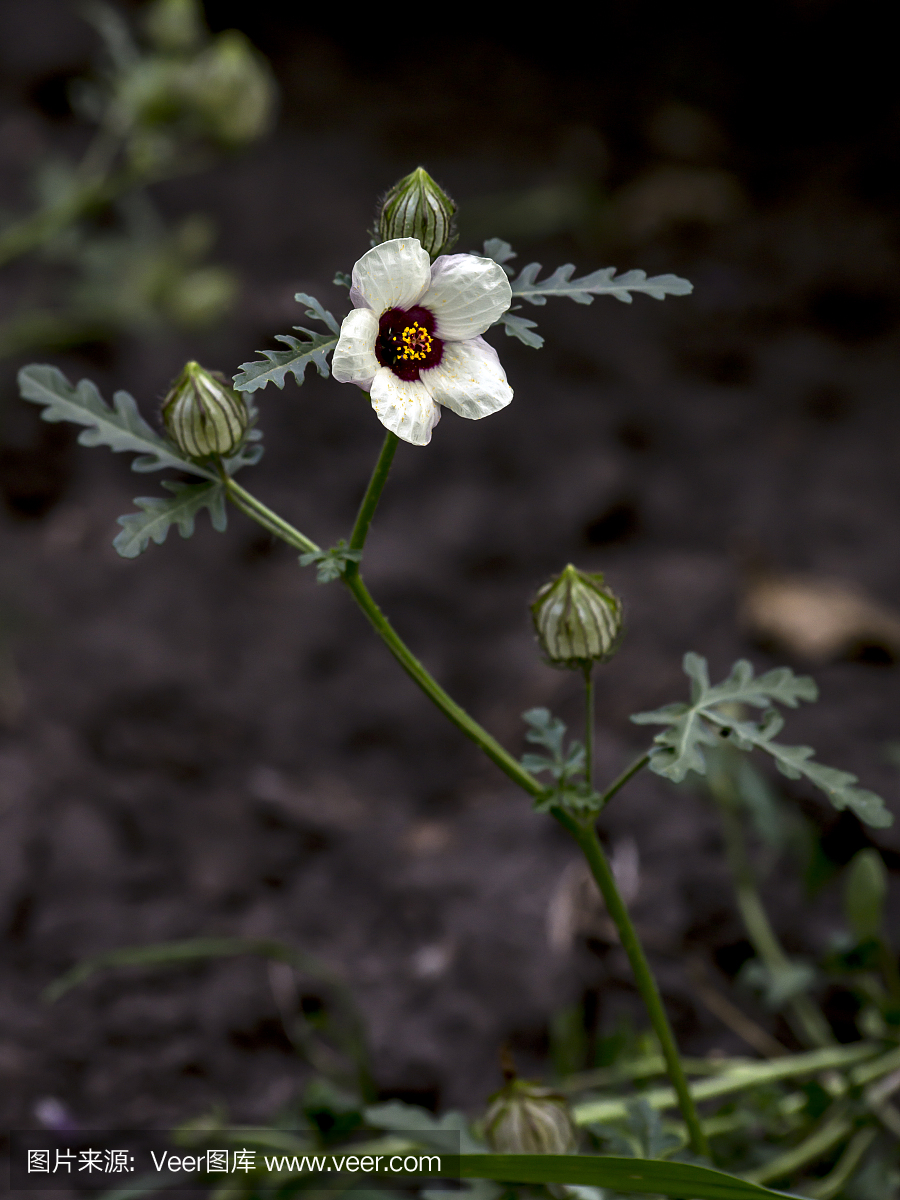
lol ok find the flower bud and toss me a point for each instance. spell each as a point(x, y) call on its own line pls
point(231, 88)
point(417, 208)
point(578, 620)
point(175, 26)
point(525, 1118)
point(203, 415)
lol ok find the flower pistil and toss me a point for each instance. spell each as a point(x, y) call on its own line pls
point(407, 343)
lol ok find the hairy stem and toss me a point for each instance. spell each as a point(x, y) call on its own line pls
point(589, 844)
point(804, 1017)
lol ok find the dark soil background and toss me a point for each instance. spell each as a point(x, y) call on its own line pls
point(205, 742)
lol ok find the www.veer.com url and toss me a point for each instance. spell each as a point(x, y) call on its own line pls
point(408, 1164)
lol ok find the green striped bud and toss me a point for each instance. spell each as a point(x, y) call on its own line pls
point(417, 208)
point(203, 415)
point(525, 1118)
point(578, 620)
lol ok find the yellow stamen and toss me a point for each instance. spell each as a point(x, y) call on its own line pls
point(416, 343)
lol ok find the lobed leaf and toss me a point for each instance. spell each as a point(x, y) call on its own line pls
point(121, 427)
point(604, 282)
point(709, 717)
point(521, 328)
point(501, 252)
point(315, 310)
point(312, 349)
point(158, 514)
point(332, 563)
point(563, 764)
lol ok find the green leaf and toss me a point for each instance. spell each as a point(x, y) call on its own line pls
point(582, 290)
point(521, 328)
point(627, 1175)
point(778, 985)
point(317, 312)
point(564, 764)
point(159, 513)
point(331, 563)
point(312, 349)
point(865, 892)
point(645, 1124)
point(190, 950)
point(604, 282)
point(120, 427)
point(501, 252)
point(710, 717)
point(408, 1118)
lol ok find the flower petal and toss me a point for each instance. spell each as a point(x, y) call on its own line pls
point(392, 275)
point(467, 294)
point(404, 406)
point(354, 358)
point(469, 380)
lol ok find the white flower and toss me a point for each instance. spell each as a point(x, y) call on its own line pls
point(413, 340)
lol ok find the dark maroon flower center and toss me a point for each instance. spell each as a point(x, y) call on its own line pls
point(406, 342)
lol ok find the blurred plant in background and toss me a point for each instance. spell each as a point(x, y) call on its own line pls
point(165, 102)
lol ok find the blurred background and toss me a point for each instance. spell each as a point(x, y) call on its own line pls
point(205, 742)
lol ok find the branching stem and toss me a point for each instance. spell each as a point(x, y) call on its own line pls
point(264, 516)
point(584, 835)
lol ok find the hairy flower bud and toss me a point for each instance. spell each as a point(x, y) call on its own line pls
point(524, 1118)
point(416, 207)
point(578, 620)
point(203, 415)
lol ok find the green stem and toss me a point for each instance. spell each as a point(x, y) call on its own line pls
point(264, 516)
point(586, 837)
point(589, 844)
point(741, 1077)
point(432, 689)
point(34, 230)
point(846, 1165)
point(254, 508)
point(804, 1017)
point(589, 725)
point(816, 1146)
point(621, 780)
point(371, 498)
